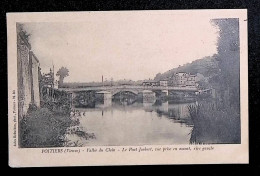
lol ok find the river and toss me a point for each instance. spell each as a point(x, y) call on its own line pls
point(117, 124)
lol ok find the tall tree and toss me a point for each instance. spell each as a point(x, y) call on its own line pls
point(228, 58)
point(62, 73)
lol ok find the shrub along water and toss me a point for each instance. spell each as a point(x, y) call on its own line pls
point(213, 123)
point(44, 128)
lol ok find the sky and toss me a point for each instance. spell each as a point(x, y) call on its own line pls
point(123, 47)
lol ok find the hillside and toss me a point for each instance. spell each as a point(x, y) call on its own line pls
point(205, 66)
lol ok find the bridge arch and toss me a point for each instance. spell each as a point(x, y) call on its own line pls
point(124, 90)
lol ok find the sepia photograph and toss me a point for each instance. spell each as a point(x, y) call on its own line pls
point(136, 78)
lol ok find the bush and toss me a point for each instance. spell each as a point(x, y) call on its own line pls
point(43, 128)
point(214, 124)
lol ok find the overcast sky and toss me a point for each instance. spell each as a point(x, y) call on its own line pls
point(122, 47)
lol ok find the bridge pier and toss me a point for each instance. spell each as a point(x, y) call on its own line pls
point(105, 95)
point(165, 92)
point(165, 107)
point(148, 96)
point(72, 96)
point(105, 104)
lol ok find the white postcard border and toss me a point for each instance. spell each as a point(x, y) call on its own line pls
point(32, 157)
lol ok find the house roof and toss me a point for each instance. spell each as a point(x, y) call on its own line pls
point(181, 73)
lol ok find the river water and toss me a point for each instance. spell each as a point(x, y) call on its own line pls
point(114, 124)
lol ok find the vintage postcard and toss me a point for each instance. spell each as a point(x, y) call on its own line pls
point(127, 88)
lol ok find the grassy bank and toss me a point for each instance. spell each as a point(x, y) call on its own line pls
point(214, 123)
point(44, 128)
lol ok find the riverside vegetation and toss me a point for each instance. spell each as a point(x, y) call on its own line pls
point(213, 123)
point(44, 128)
point(219, 120)
point(47, 126)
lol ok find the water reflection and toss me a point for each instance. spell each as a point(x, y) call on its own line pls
point(134, 123)
point(105, 104)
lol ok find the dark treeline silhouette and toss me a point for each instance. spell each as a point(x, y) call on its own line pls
point(227, 80)
point(219, 120)
point(62, 73)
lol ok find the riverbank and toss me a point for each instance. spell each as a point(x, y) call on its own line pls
point(44, 128)
point(213, 123)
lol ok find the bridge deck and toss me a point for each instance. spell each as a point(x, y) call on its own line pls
point(125, 87)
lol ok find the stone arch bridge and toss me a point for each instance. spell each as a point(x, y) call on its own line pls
point(113, 90)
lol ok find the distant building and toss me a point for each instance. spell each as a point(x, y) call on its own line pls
point(191, 80)
point(27, 74)
point(163, 83)
point(150, 83)
point(183, 79)
point(180, 79)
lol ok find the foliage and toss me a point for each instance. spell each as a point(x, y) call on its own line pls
point(47, 128)
point(61, 104)
point(213, 123)
point(32, 107)
point(62, 73)
point(85, 99)
point(22, 31)
point(227, 80)
point(43, 128)
point(206, 66)
point(85, 135)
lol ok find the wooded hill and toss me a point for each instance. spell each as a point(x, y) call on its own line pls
point(205, 66)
